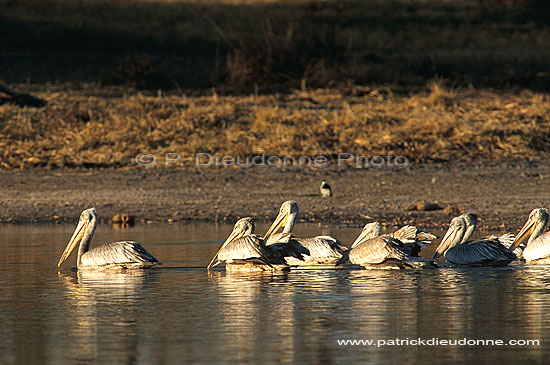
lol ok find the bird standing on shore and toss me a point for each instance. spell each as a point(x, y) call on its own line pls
point(117, 255)
point(326, 190)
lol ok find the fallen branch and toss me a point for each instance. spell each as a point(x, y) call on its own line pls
point(21, 98)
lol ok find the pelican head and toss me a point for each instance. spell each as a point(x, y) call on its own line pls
point(532, 228)
point(370, 230)
point(243, 227)
point(287, 216)
point(454, 235)
point(83, 233)
point(471, 220)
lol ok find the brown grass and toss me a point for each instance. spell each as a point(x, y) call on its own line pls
point(107, 127)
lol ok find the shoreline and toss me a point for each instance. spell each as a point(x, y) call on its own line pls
point(502, 193)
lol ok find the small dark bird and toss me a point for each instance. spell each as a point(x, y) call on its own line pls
point(325, 189)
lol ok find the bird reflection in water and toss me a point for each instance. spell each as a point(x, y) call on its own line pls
point(104, 304)
point(276, 305)
point(246, 312)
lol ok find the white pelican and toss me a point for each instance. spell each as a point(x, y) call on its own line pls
point(326, 191)
point(123, 254)
point(372, 250)
point(243, 250)
point(485, 252)
point(505, 239)
point(537, 250)
point(370, 230)
point(323, 249)
point(411, 237)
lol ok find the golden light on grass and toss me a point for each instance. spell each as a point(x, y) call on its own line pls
point(79, 130)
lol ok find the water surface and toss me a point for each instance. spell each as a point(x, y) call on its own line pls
point(178, 313)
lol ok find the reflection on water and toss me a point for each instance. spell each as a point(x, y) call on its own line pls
point(94, 298)
point(179, 313)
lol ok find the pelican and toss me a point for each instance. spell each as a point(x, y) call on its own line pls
point(372, 250)
point(370, 230)
point(411, 234)
point(485, 252)
point(505, 239)
point(121, 255)
point(537, 250)
point(323, 249)
point(243, 250)
point(411, 237)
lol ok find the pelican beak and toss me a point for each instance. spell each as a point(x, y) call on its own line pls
point(75, 239)
point(525, 232)
point(233, 236)
point(445, 242)
point(362, 237)
point(280, 221)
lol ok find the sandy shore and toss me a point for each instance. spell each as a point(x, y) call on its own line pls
point(501, 193)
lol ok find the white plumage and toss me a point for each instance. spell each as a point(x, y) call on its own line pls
point(245, 250)
point(375, 251)
point(322, 249)
point(485, 252)
point(127, 254)
point(122, 254)
point(537, 249)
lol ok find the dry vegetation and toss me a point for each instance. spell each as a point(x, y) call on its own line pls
point(95, 127)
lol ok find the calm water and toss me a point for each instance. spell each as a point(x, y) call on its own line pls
point(177, 313)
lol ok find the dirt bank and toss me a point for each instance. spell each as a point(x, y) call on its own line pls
point(501, 193)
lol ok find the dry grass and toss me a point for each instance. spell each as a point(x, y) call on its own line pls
point(106, 127)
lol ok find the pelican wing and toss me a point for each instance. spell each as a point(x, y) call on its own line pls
point(377, 250)
point(322, 247)
point(249, 247)
point(538, 249)
point(413, 239)
point(406, 233)
point(488, 252)
point(409, 234)
point(506, 240)
point(287, 248)
point(119, 253)
point(425, 236)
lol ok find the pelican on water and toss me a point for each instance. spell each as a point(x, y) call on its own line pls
point(322, 249)
point(122, 254)
point(372, 250)
point(412, 238)
point(505, 239)
point(485, 252)
point(243, 250)
point(537, 250)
